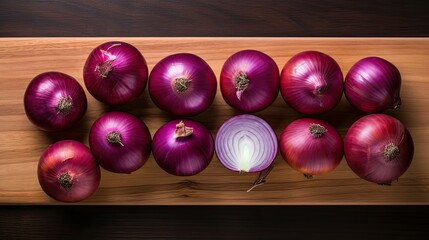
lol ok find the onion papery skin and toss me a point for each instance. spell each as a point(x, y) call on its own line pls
point(74, 160)
point(183, 154)
point(261, 76)
point(365, 148)
point(43, 97)
point(373, 85)
point(131, 148)
point(198, 87)
point(311, 82)
point(115, 73)
point(311, 152)
point(246, 143)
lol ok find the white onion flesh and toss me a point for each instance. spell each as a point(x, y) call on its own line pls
point(246, 143)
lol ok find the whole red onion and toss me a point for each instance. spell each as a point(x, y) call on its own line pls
point(311, 146)
point(311, 82)
point(115, 73)
point(54, 101)
point(378, 148)
point(373, 85)
point(182, 84)
point(120, 142)
point(183, 147)
point(67, 171)
point(249, 80)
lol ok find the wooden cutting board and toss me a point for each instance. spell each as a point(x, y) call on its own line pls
point(22, 143)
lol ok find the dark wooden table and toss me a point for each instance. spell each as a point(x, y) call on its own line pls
point(289, 18)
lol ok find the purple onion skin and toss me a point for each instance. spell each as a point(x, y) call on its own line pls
point(311, 151)
point(311, 82)
point(367, 152)
point(262, 81)
point(74, 162)
point(43, 98)
point(183, 156)
point(126, 79)
point(125, 154)
point(373, 85)
point(197, 76)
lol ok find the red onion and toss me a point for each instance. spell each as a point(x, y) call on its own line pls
point(115, 73)
point(54, 101)
point(249, 81)
point(183, 147)
point(311, 82)
point(67, 171)
point(182, 84)
point(311, 146)
point(120, 142)
point(373, 85)
point(246, 143)
point(378, 148)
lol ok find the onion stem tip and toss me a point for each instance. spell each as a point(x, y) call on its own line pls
point(181, 84)
point(103, 69)
point(114, 138)
point(182, 130)
point(391, 151)
point(65, 180)
point(64, 105)
point(317, 130)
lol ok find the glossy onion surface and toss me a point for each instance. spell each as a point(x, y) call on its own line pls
point(373, 85)
point(378, 148)
point(311, 82)
point(115, 73)
point(182, 84)
point(54, 101)
point(311, 146)
point(249, 81)
point(68, 172)
point(120, 142)
point(183, 147)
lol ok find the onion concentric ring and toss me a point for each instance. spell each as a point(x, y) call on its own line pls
point(246, 143)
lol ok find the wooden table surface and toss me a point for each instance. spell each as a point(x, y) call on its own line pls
point(206, 18)
point(23, 58)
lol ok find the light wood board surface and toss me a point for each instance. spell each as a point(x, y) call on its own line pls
point(22, 143)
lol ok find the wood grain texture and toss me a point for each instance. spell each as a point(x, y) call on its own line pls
point(23, 58)
point(283, 18)
point(186, 18)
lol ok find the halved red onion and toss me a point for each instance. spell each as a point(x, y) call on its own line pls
point(246, 143)
point(249, 80)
